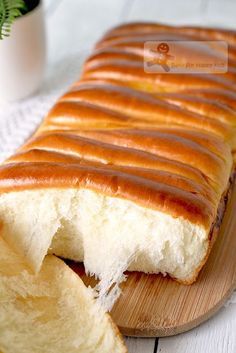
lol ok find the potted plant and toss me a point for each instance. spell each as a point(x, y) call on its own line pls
point(22, 48)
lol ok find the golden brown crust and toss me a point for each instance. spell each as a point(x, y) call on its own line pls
point(222, 96)
point(132, 103)
point(159, 196)
point(133, 75)
point(147, 27)
point(154, 143)
point(161, 141)
point(135, 53)
point(212, 143)
point(109, 154)
point(214, 229)
point(200, 105)
point(163, 176)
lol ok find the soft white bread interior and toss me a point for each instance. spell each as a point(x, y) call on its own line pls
point(51, 311)
point(102, 231)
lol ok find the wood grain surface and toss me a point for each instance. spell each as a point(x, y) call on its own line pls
point(153, 305)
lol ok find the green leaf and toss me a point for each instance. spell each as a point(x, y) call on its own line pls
point(9, 11)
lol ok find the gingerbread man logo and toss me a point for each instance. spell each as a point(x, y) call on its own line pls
point(161, 56)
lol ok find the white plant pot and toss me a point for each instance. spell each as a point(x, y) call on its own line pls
point(22, 56)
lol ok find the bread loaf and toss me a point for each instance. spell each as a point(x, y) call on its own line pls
point(129, 170)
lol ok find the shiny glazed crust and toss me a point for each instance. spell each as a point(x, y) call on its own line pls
point(164, 141)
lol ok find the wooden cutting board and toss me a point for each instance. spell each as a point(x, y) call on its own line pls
point(152, 305)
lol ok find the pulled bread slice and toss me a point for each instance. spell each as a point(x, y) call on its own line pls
point(110, 219)
point(51, 311)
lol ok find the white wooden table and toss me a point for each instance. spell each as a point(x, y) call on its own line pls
point(73, 26)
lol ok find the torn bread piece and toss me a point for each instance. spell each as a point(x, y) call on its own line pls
point(105, 218)
point(50, 311)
